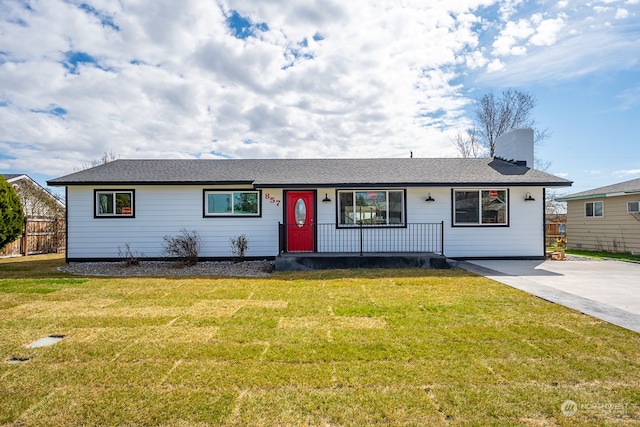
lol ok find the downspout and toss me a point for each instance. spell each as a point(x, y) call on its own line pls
point(66, 224)
point(544, 222)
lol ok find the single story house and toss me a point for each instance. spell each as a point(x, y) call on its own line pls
point(605, 218)
point(458, 207)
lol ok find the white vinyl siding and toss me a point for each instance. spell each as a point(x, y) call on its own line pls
point(165, 210)
point(524, 237)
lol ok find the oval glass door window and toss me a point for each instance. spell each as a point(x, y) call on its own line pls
point(301, 212)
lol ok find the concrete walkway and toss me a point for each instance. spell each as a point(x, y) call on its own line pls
point(608, 290)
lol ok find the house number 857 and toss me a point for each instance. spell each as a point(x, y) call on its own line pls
point(271, 199)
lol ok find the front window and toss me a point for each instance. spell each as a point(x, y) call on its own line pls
point(593, 209)
point(480, 207)
point(231, 203)
point(373, 207)
point(113, 203)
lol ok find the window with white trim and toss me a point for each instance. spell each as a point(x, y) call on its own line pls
point(114, 203)
point(480, 207)
point(232, 203)
point(594, 209)
point(371, 207)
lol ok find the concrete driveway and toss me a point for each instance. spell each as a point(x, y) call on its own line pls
point(608, 290)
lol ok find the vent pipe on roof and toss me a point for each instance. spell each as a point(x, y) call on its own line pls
point(516, 146)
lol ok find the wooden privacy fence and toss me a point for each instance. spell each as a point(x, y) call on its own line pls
point(41, 236)
point(554, 230)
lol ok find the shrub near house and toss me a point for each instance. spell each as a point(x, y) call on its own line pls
point(11, 214)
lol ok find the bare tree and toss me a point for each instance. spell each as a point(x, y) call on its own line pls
point(467, 144)
point(495, 115)
point(107, 156)
point(553, 207)
point(38, 202)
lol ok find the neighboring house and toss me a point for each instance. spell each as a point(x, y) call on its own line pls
point(605, 218)
point(37, 201)
point(44, 214)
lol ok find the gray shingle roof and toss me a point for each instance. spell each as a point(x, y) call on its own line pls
point(9, 176)
point(621, 188)
point(313, 172)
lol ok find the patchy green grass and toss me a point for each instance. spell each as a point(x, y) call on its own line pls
point(34, 266)
point(608, 255)
point(358, 347)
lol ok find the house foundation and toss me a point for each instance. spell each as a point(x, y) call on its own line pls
point(323, 261)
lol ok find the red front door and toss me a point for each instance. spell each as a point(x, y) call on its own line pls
point(300, 213)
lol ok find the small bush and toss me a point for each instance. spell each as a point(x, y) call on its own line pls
point(185, 247)
point(129, 257)
point(239, 246)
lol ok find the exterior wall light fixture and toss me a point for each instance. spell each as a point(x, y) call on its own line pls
point(528, 197)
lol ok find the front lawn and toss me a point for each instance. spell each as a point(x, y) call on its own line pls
point(358, 347)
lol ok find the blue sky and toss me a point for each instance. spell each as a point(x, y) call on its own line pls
point(304, 78)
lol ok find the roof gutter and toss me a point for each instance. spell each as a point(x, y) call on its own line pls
point(598, 196)
point(54, 183)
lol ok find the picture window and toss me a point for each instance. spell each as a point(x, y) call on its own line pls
point(371, 207)
point(114, 203)
point(480, 207)
point(231, 203)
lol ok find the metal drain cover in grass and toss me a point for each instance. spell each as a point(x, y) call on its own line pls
point(17, 359)
point(46, 341)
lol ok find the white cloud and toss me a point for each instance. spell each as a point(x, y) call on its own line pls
point(547, 31)
point(629, 98)
point(169, 80)
point(495, 65)
point(510, 36)
point(475, 60)
point(622, 13)
point(508, 8)
point(318, 79)
point(627, 172)
point(601, 9)
point(575, 43)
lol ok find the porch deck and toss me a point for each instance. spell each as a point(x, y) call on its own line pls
point(300, 261)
